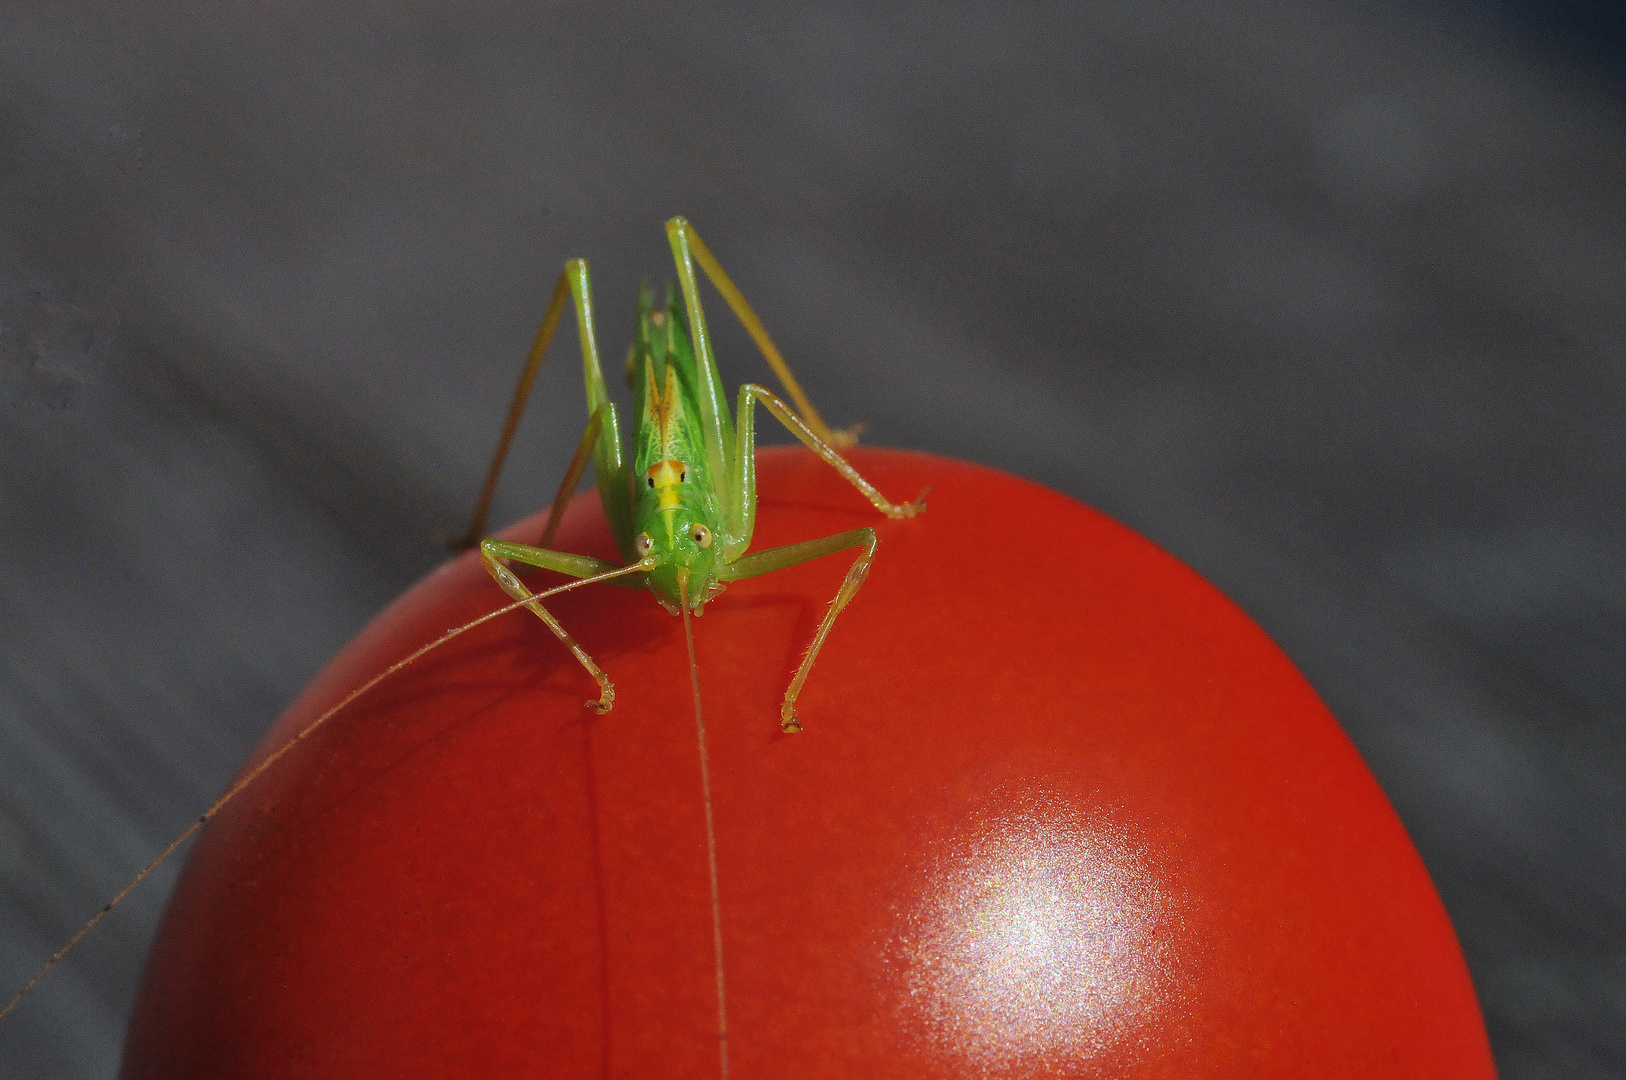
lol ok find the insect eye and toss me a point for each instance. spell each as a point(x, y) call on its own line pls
point(651, 480)
point(683, 476)
point(643, 544)
point(701, 536)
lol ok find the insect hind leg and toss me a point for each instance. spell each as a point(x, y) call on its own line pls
point(689, 250)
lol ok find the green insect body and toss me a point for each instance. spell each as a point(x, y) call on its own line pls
point(679, 512)
point(682, 510)
point(682, 507)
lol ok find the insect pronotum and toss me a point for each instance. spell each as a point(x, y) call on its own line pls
point(681, 506)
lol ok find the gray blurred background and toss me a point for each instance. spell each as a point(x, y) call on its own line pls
point(1327, 299)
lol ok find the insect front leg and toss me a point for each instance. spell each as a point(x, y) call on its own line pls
point(492, 552)
point(779, 558)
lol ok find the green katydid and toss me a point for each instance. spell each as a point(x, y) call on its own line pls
point(683, 508)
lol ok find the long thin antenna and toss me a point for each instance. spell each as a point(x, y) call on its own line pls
point(711, 828)
point(259, 770)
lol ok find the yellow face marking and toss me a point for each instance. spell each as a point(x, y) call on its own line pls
point(664, 477)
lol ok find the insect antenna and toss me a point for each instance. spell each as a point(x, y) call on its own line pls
point(309, 729)
point(711, 828)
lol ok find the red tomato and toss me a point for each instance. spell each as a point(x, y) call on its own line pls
point(1060, 809)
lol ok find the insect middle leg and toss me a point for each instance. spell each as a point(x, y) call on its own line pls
point(492, 552)
point(742, 481)
point(779, 558)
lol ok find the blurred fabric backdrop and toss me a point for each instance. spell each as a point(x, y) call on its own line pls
point(1327, 299)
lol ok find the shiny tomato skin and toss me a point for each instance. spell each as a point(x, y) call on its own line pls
point(1059, 809)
